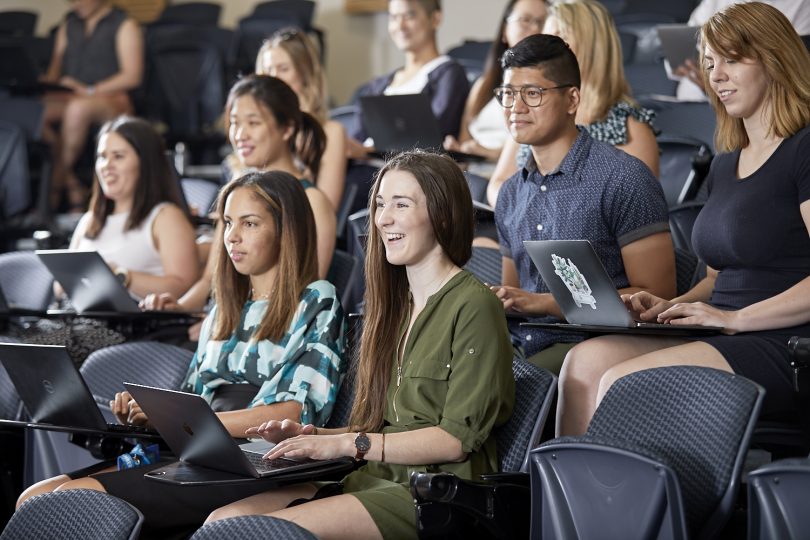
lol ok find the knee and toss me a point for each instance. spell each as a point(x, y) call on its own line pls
point(78, 111)
point(579, 368)
point(224, 512)
point(610, 377)
point(81, 483)
point(43, 486)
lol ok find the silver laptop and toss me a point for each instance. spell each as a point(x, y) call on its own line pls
point(207, 452)
point(586, 294)
point(678, 43)
point(54, 392)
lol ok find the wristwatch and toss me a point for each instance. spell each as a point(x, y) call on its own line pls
point(363, 445)
point(123, 276)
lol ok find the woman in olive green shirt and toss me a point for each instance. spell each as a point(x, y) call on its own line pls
point(434, 374)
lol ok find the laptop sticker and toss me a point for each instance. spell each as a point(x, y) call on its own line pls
point(574, 280)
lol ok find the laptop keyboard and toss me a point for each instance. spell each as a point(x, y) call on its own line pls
point(135, 430)
point(265, 465)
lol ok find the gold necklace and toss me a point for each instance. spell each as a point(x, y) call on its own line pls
point(258, 296)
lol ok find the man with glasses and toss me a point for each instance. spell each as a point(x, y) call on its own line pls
point(572, 187)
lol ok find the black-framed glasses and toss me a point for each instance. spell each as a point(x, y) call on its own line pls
point(531, 95)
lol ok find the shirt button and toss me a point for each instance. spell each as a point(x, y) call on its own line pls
point(471, 351)
point(528, 337)
point(539, 226)
point(543, 187)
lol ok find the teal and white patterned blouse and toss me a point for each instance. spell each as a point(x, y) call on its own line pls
point(306, 365)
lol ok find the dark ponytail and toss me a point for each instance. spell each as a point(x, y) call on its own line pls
point(310, 143)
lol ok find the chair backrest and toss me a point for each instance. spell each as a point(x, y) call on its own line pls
point(75, 513)
point(18, 23)
point(628, 42)
point(534, 394)
point(681, 222)
point(704, 438)
point(200, 194)
point(302, 11)
point(25, 281)
point(691, 119)
point(777, 500)
point(649, 78)
point(9, 400)
point(686, 265)
point(252, 527)
point(486, 264)
point(677, 175)
point(342, 274)
point(141, 362)
point(342, 409)
point(250, 35)
point(191, 13)
point(471, 55)
point(478, 186)
point(15, 188)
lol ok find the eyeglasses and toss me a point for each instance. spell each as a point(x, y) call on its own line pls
point(531, 95)
point(526, 22)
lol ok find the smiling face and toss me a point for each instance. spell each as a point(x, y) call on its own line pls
point(741, 85)
point(538, 126)
point(118, 168)
point(525, 19)
point(409, 25)
point(276, 62)
point(401, 217)
point(250, 236)
point(255, 135)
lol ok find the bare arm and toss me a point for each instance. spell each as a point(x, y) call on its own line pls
point(650, 265)
point(641, 143)
point(55, 67)
point(174, 239)
point(129, 50)
point(325, 225)
point(332, 176)
point(519, 301)
point(236, 422)
point(506, 167)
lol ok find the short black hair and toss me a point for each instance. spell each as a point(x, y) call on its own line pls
point(546, 52)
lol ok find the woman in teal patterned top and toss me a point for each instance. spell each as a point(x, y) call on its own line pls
point(272, 347)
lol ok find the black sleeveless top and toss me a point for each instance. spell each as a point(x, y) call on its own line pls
point(92, 58)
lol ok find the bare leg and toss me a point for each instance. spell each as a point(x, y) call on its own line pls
point(583, 369)
point(63, 481)
point(342, 516)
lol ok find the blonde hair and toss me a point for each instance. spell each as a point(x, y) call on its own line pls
point(759, 32)
point(307, 64)
point(590, 27)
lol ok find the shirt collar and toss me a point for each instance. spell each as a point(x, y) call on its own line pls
point(571, 163)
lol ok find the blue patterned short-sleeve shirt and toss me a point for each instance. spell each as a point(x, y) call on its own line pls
point(306, 365)
point(597, 193)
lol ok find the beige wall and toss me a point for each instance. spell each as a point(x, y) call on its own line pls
point(358, 45)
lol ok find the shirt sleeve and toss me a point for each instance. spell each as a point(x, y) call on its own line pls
point(503, 204)
point(481, 387)
point(315, 363)
point(448, 94)
point(635, 206)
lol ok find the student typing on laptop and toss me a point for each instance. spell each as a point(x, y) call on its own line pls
point(272, 347)
point(753, 232)
point(573, 187)
point(434, 374)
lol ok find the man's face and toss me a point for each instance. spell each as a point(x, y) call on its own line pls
point(542, 125)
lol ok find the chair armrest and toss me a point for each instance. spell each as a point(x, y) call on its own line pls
point(516, 478)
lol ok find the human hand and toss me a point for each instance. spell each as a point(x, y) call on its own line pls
point(645, 306)
point(690, 70)
point(73, 84)
point(517, 300)
point(160, 302)
point(194, 331)
point(451, 144)
point(276, 431)
point(314, 447)
point(356, 150)
point(702, 314)
point(127, 410)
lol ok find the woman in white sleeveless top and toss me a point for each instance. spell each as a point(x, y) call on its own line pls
point(135, 219)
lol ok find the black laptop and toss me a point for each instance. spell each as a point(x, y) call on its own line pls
point(586, 294)
point(208, 454)
point(19, 74)
point(405, 122)
point(55, 394)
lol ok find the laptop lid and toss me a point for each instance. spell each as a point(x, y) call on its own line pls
point(88, 281)
point(50, 386)
point(191, 429)
point(18, 70)
point(678, 43)
point(579, 283)
point(400, 122)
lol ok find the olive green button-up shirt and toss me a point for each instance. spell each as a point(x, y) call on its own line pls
point(457, 375)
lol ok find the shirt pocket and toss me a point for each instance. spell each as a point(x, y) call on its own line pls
point(430, 369)
point(422, 396)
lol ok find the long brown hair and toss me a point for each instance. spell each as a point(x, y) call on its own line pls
point(308, 140)
point(156, 183)
point(760, 32)
point(449, 205)
point(284, 198)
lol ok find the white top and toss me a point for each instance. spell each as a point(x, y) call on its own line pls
point(489, 127)
point(134, 250)
point(417, 83)
point(797, 11)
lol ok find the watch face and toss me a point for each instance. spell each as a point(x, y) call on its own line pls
point(362, 443)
